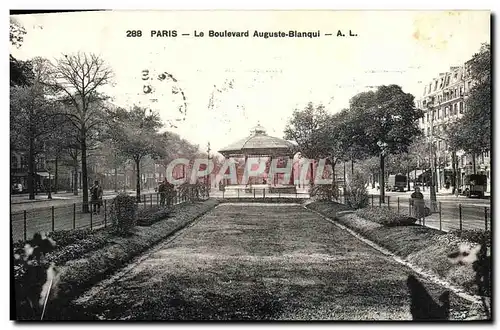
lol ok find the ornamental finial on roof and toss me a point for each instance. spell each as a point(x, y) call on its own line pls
point(258, 129)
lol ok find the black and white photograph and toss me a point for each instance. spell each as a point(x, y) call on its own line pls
point(250, 165)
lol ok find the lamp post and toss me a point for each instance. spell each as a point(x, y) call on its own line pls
point(383, 150)
point(432, 158)
point(208, 160)
point(49, 194)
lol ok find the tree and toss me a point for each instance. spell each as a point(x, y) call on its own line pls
point(392, 124)
point(136, 135)
point(77, 80)
point(307, 128)
point(472, 132)
point(33, 117)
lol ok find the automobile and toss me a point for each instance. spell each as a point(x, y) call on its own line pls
point(396, 182)
point(17, 188)
point(474, 185)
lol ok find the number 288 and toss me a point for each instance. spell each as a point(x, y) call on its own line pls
point(134, 33)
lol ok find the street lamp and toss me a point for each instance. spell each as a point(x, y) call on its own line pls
point(383, 150)
point(49, 195)
point(208, 161)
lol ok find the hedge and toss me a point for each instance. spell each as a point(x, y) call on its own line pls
point(424, 247)
point(80, 274)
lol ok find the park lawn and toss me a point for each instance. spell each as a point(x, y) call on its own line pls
point(259, 262)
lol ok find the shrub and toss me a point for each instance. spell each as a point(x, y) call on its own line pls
point(148, 216)
point(67, 237)
point(123, 213)
point(192, 191)
point(357, 196)
point(474, 235)
point(327, 192)
point(385, 216)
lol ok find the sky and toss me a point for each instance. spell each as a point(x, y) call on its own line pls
point(253, 80)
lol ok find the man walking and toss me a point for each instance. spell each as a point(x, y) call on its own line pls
point(96, 197)
point(162, 190)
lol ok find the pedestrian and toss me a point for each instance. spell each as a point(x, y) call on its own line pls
point(162, 190)
point(417, 199)
point(169, 192)
point(96, 197)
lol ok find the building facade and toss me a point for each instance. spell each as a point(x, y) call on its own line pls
point(444, 102)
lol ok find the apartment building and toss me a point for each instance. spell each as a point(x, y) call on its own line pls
point(443, 102)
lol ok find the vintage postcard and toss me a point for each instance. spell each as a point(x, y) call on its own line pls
point(277, 165)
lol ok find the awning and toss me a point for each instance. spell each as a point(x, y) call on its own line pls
point(412, 174)
point(43, 174)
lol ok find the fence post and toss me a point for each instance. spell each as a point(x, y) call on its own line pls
point(440, 226)
point(372, 199)
point(150, 200)
point(105, 214)
point(264, 193)
point(379, 200)
point(398, 204)
point(223, 193)
point(409, 206)
point(485, 218)
point(423, 219)
point(144, 202)
point(74, 215)
point(253, 193)
point(25, 230)
point(460, 215)
point(157, 198)
point(52, 211)
point(238, 190)
point(388, 202)
point(91, 217)
point(279, 194)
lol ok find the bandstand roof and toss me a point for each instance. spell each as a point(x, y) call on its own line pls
point(259, 144)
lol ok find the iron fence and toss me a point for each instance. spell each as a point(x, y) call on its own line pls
point(259, 193)
point(441, 215)
point(79, 215)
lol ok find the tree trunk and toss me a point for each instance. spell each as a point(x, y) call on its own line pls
point(85, 183)
point(138, 180)
point(352, 167)
point(454, 167)
point(116, 179)
point(334, 183)
point(474, 162)
point(345, 181)
point(408, 177)
point(56, 176)
point(31, 167)
point(382, 178)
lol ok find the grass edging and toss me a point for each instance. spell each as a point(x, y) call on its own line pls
point(79, 275)
point(423, 247)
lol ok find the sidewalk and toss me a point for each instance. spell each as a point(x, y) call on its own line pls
point(442, 192)
point(42, 197)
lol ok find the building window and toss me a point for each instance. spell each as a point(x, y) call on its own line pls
point(439, 113)
point(455, 109)
point(461, 91)
point(13, 162)
point(461, 107)
point(428, 131)
point(433, 114)
point(427, 117)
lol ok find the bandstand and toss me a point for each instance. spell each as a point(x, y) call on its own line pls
point(262, 146)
